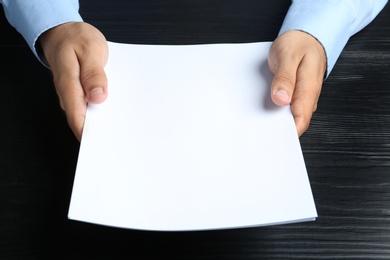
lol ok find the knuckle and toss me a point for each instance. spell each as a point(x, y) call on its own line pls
point(315, 106)
point(90, 77)
point(286, 79)
point(306, 123)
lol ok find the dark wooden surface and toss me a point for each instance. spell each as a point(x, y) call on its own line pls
point(347, 148)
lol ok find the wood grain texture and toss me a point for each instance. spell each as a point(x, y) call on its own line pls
point(346, 149)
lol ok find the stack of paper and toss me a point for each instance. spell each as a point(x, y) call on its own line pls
point(189, 139)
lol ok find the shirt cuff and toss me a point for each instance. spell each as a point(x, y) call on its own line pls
point(331, 22)
point(32, 18)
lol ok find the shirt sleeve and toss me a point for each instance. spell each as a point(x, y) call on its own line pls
point(33, 17)
point(331, 22)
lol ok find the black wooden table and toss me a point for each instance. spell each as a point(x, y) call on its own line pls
point(346, 149)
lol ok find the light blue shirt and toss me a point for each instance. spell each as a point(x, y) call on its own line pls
point(33, 17)
point(331, 22)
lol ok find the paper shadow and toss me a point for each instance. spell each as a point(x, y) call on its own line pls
point(266, 101)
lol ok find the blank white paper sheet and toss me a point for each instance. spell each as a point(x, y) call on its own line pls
point(189, 139)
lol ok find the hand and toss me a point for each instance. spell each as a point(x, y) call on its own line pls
point(298, 62)
point(77, 53)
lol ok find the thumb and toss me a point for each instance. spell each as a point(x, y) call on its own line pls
point(283, 84)
point(92, 76)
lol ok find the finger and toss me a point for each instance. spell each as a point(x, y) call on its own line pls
point(93, 78)
point(284, 67)
point(66, 73)
point(307, 92)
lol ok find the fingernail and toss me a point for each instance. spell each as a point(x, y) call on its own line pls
point(283, 97)
point(95, 92)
